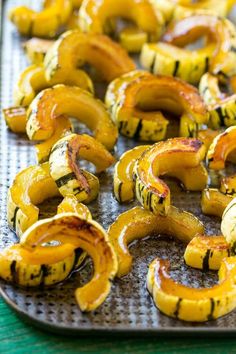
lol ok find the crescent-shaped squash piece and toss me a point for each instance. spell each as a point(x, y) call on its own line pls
point(138, 223)
point(31, 187)
point(32, 80)
point(192, 304)
point(228, 224)
point(123, 174)
point(90, 237)
point(61, 100)
point(206, 252)
point(70, 204)
point(214, 202)
point(65, 170)
point(15, 118)
point(42, 24)
point(93, 16)
point(221, 147)
point(73, 49)
point(221, 107)
point(166, 59)
point(228, 185)
point(174, 156)
point(137, 104)
point(218, 30)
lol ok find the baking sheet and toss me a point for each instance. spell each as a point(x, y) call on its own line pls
point(129, 308)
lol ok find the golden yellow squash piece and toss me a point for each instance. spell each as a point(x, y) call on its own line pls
point(32, 80)
point(132, 39)
point(93, 15)
point(90, 237)
point(221, 107)
point(64, 168)
point(138, 102)
point(73, 49)
point(207, 136)
point(219, 31)
point(60, 100)
point(70, 204)
point(43, 267)
point(15, 118)
point(36, 49)
point(139, 223)
point(228, 225)
point(214, 202)
point(167, 59)
point(221, 147)
point(177, 9)
point(172, 157)
point(123, 174)
point(30, 187)
point(42, 24)
point(191, 304)
point(62, 128)
point(206, 252)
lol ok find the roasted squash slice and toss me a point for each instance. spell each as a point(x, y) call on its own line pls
point(64, 169)
point(36, 49)
point(43, 267)
point(123, 174)
point(70, 204)
point(228, 225)
point(15, 118)
point(222, 108)
point(214, 202)
point(93, 15)
point(72, 101)
point(32, 80)
point(174, 156)
point(207, 136)
point(30, 187)
point(218, 30)
point(42, 24)
point(90, 237)
point(228, 185)
point(132, 39)
point(191, 304)
point(206, 252)
point(139, 223)
point(73, 49)
point(135, 112)
point(62, 128)
point(221, 147)
point(177, 9)
point(166, 59)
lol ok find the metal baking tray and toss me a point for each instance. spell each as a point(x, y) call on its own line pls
point(129, 308)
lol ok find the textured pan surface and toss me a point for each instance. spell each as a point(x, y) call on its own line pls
point(129, 306)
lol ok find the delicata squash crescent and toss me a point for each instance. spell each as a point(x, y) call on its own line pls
point(123, 174)
point(65, 170)
point(15, 118)
point(73, 49)
point(60, 100)
point(135, 111)
point(167, 59)
point(31, 187)
point(214, 202)
point(42, 24)
point(93, 15)
point(172, 157)
point(138, 223)
point(32, 80)
point(221, 147)
point(221, 107)
point(228, 225)
point(218, 30)
point(192, 304)
point(228, 185)
point(206, 252)
point(91, 238)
